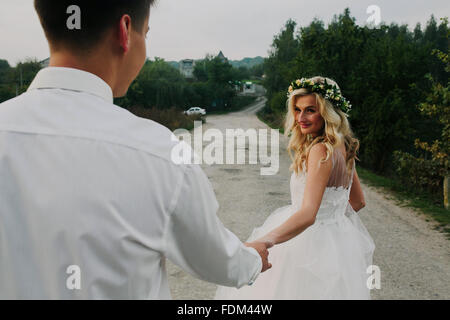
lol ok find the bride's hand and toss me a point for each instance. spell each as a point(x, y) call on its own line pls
point(263, 252)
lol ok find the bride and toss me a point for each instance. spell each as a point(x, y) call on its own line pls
point(321, 249)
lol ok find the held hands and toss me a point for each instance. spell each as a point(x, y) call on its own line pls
point(262, 247)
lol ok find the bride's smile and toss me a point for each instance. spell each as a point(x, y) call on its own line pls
point(307, 115)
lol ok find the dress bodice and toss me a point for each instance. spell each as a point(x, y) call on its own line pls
point(337, 192)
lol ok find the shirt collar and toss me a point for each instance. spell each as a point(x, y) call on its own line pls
point(72, 79)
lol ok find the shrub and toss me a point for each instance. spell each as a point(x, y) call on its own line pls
point(171, 118)
point(419, 174)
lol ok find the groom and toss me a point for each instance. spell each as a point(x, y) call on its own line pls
point(90, 202)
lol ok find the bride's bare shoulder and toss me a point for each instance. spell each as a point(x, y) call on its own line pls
point(317, 153)
point(318, 149)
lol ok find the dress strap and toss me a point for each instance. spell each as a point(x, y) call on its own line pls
point(351, 178)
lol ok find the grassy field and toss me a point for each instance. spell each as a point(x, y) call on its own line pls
point(174, 118)
point(239, 103)
point(171, 118)
point(273, 122)
point(423, 202)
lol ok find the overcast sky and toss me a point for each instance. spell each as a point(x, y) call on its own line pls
point(192, 28)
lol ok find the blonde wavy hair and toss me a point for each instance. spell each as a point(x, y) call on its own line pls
point(335, 132)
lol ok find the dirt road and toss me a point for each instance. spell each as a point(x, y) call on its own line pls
point(413, 258)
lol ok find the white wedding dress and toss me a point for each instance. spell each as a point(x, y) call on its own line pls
point(329, 260)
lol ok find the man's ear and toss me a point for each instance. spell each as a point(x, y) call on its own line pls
point(125, 32)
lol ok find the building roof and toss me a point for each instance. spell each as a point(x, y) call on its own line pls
point(221, 56)
point(44, 63)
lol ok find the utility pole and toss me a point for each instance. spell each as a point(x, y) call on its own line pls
point(21, 80)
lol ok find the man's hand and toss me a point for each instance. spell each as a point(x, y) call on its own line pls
point(262, 247)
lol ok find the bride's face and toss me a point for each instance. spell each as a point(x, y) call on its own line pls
point(307, 115)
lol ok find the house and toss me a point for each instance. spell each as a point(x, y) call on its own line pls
point(44, 63)
point(222, 57)
point(187, 68)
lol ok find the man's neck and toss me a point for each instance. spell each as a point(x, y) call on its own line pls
point(94, 64)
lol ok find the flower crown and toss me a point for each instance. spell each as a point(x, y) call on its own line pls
point(330, 92)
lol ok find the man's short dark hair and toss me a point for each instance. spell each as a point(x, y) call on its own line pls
point(97, 17)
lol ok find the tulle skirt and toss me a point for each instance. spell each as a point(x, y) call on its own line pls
point(329, 260)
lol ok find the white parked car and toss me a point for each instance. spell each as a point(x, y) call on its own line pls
point(195, 110)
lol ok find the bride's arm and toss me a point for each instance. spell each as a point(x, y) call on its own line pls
point(356, 194)
point(316, 182)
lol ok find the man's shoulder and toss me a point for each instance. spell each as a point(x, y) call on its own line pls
point(122, 127)
point(9, 103)
point(150, 136)
point(74, 115)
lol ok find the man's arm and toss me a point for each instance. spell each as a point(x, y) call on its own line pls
point(197, 241)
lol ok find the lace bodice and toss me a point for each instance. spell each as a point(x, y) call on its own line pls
point(337, 192)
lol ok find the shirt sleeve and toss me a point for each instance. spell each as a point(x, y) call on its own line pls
point(198, 242)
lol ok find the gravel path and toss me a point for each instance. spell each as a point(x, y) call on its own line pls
point(414, 259)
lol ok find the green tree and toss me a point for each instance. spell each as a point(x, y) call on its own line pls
point(214, 85)
point(157, 85)
point(279, 66)
point(4, 70)
point(430, 169)
point(6, 90)
point(24, 72)
point(380, 70)
point(16, 80)
point(257, 71)
point(437, 105)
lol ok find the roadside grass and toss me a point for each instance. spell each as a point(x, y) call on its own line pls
point(171, 118)
point(274, 122)
point(239, 103)
point(425, 203)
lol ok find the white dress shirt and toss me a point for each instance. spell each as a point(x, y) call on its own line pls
point(91, 203)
